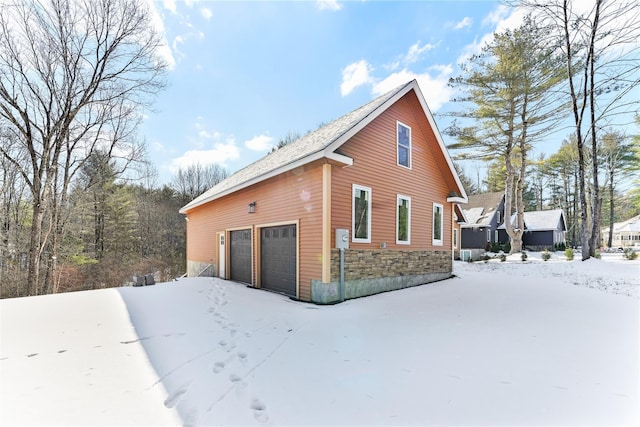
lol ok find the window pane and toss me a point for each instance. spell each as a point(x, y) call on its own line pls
point(361, 202)
point(403, 220)
point(437, 223)
point(403, 156)
point(404, 145)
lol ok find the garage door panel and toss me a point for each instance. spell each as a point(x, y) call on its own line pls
point(278, 265)
point(240, 255)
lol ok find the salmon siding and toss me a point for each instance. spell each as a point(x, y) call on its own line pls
point(381, 172)
point(295, 196)
point(375, 166)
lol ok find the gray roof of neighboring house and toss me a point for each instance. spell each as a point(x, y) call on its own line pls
point(542, 220)
point(315, 145)
point(481, 208)
point(630, 225)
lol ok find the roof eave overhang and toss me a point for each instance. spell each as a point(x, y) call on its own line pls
point(347, 161)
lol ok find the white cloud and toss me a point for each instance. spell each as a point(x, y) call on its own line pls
point(434, 88)
point(259, 143)
point(502, 18)
point(497, 15)
point(415, 51)
point(219, 152)
point(164, 51)
point(328, 5)
point(206, 13)
point(466, 22)
point(354, 75)
point(170, 5)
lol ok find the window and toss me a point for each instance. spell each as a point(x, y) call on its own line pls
point(488, 235)
point(361, 214)
point(404, 145)
point(403, 220)
point(455, 238)
point(496, 236)
point(437, 224)
point(498, 218)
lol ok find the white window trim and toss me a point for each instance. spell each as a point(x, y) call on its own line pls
point(408, 199)
point(496, 236)
point(434, 241)
point(398, 124)
point(488, 235)
point(353, 214)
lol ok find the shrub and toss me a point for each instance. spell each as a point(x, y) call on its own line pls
point(597, 255)
point(486, 257)
point(546, 255)
point(495, 247)
point(523, 256)
point(569, 254)
point(630, 254)
point(507, 247)
point(561, 247)
point(503, 257)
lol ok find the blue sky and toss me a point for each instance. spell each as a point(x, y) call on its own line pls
point(243, 74)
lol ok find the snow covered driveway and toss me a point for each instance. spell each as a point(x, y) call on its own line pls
point(501, 344)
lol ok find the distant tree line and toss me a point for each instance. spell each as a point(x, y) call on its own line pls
point(569, 61)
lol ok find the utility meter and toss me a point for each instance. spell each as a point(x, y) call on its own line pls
point(342, 238)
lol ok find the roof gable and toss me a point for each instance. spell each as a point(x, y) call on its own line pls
point(481, 208)
point(548, 220)
point(323, 143)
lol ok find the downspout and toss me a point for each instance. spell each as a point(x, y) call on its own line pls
point(341, 274)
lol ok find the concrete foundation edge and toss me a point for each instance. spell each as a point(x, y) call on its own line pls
point(329, 293)
point(200, 269)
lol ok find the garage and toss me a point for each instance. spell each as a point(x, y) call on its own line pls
point(278, 263)
point(240, 255)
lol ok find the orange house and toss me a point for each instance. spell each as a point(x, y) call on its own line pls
point(377, 182)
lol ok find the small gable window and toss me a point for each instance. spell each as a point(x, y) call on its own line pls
point(361, 214)
point(404, 145)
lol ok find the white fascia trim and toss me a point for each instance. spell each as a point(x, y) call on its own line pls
point(436, 132)
point(346, 160)
point(368, 119)
point(457, 200)
point(290, 166)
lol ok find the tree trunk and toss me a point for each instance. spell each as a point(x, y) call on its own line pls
point(611, 211)
point(595, 216)
point(35, 253)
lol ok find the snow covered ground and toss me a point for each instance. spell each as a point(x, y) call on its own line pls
point(512, 343)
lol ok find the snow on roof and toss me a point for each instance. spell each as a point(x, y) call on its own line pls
point(631, 225)
point(481, 208)
point(541, 220)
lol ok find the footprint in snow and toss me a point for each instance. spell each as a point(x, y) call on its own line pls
point(218, 367)
point(173, 400)
point(259, 411)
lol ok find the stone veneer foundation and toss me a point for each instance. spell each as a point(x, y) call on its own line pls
point(368, 272)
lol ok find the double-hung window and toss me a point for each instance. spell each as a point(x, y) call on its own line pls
point(404, 144)
point(403, 220)
point(361, 214)
point(438, 224)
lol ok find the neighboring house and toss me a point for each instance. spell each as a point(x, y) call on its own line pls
point(484, 213)
point(542, 229)
point(378, 180)
point(626, 234)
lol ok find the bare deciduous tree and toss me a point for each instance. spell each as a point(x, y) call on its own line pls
point(191, 181)
point(600, 46)
point(74, 76)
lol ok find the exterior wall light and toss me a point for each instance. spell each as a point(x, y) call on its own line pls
point(251, 208)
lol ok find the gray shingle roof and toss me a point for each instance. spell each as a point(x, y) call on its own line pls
point(315, 145)
point(481, 208)
point(312, 143)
